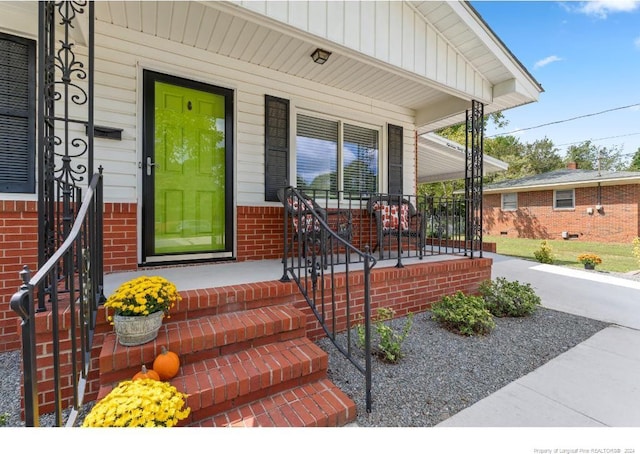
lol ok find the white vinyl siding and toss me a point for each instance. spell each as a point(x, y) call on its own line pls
point(120, 56)
point(118, 61)
point(564, 199)
point(510, 201)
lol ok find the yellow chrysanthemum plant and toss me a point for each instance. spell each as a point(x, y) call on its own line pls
point(589, 259)
point(143, 295)
point(139, 403)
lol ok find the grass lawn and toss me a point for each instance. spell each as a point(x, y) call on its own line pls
point(615, 256)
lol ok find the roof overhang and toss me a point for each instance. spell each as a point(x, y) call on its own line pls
point(607, 181)
point(429, 58)
point(440, 159)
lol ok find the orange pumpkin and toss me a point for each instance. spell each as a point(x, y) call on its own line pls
point(145, 373)
point(166, 364)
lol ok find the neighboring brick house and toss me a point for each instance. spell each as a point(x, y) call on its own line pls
point(587, 205)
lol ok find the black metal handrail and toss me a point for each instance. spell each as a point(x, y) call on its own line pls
point(309, 258)
point(76, 266)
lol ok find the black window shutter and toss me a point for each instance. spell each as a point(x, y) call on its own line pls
point(17, 114)
point(395, 142)
point(276, 146)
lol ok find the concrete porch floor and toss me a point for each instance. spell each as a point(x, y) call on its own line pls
point(210, 275)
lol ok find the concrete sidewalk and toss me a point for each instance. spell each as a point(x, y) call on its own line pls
point(594, 384)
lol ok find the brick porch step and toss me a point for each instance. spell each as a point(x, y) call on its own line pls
point(220, 384)
point(232, 365)
point(201, 338)
point(317, 404)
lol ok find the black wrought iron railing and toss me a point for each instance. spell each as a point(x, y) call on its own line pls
point(312, 251)
point(72, 283)
point(394, 226)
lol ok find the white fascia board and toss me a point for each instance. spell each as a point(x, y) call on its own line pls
point(475, 22)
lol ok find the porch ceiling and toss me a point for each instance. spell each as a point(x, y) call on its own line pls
point(231, 30)
point(440, 159)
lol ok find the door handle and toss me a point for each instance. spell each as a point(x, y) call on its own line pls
point(150, 165)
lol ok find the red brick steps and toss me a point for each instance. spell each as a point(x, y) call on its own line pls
point(250, 367)
point(317, 404)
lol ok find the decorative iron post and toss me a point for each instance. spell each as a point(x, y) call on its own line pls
point(473, 177)
point(65, 142)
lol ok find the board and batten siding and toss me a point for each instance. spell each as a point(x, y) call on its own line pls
point(403, 38)
point(120, 55)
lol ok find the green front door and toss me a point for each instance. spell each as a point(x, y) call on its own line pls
point(186, 170)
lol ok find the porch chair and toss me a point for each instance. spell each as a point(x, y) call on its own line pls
point(311, 232)
point(395, 214)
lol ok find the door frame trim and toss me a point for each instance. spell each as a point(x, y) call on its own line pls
point(148, 79)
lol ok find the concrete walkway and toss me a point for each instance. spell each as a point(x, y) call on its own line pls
point(594, 384)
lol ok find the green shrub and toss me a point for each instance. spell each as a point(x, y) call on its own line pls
point(390, 341)
point(3, 419)
point(466, 315)
point(509, 298)
point(636, 249)
point(545, 253)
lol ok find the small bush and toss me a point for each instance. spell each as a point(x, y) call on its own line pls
point(636, 249)
point(3, 419)
point(545, 253)
point(390, 341)
point(509, 298)
point(466, 315)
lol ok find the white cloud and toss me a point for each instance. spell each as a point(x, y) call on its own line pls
point(602, 8)
point(546, 61)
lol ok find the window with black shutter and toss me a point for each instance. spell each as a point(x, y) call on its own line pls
point(276, 143)
point(395, 141)
point(17, 114)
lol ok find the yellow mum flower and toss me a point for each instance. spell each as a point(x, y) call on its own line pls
point(143, 295)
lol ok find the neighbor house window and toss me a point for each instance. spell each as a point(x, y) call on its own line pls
point(510, 201)
point(336, 156)
point(17, 114)
point(564, 198)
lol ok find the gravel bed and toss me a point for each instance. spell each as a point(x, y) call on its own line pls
point(440, 374)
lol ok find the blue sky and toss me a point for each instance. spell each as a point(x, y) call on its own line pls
point(586, 56)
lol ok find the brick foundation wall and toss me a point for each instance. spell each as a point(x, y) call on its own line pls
point(120, 237)
point(618, 222)
point(19, 240)
point(413, 288)
point(260, 235)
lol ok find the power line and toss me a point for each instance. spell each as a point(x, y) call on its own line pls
point(565, 120)
point(601, 138)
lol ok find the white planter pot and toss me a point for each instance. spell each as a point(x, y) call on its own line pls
point(137, 330)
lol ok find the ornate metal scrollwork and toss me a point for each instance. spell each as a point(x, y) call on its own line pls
point(65, 121)
point(473, 176)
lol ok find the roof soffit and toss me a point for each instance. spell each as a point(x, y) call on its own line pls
point(280, 36)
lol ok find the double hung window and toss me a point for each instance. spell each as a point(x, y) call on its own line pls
point(564, 199)
point(336, 156)
point(510, 201)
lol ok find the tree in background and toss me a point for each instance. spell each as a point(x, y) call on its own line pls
point(457, 133)
point(591, 157)
point(540, 157)
point(635, 161)
point(527, 159)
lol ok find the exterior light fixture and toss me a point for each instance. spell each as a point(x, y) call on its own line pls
point(320, 56)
